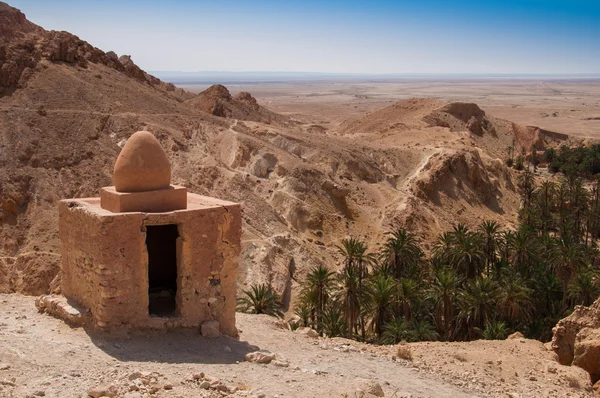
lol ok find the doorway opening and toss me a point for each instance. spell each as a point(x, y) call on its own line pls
point(161, 243)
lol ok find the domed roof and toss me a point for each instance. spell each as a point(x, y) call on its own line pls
point(142, 165)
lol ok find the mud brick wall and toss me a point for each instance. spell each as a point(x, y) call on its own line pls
point(105, 263)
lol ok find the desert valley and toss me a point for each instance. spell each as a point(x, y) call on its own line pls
point(313, 163)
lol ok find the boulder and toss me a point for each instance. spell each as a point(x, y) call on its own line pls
point(210, 329)
point(566, 330)
point(586, 353)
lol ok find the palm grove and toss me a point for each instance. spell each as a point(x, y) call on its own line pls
point(484, 282)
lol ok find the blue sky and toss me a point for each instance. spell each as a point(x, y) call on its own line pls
point(420, 36)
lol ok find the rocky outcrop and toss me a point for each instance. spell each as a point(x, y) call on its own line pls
point(450, 173)
point(131, 69)
point(576, 339)
point(247, 99)
point(460, 116)
point(24, 45)
point(217, 101)
point(587, 352)
point(532, 136)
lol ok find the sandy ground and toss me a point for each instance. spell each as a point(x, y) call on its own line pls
point(569, 106)
point(41, 356)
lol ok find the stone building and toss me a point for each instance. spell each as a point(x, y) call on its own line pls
point(148, 254)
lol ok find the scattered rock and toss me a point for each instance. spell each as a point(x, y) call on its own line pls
point(154, 389)
point(261, 356)
point(134, 376)
point(309, 332)
point(103, 391)
point(375, 389)
point(281, 363)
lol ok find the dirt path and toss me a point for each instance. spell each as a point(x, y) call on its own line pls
point(39, 354)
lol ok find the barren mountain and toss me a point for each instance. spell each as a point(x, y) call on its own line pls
point(66, 109)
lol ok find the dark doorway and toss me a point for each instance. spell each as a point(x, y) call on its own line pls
point(161, 242)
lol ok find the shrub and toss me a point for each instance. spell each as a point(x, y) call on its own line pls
point(260, 299)
point(404, 352)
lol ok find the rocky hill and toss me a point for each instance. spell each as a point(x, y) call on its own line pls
point(66, 109)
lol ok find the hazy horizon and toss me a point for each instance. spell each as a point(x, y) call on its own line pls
point(511, 37)
point(274, 77)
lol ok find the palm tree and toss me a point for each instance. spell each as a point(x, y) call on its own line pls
point(568, 256)
point(441, 249)
point(515, 302)
point(401, 250)
point(593, 228)
point(526, 184)
point(467, 255)
point(505, 246)
point(304, 315)
point(424, 331)
point(397, 330)
point(490, 231)
point(495, 330)
point(261, 299)
point(477, 304)
point(332, 322)
point(524, 248)
point(350, 296)
point(584, 288)
point(355, 255)
point(545, 198)
point(382, 296)
point(408, 294)
point(562, 202)
point(319, 284)
point(443, 293)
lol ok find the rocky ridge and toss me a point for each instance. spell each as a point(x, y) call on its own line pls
point(25, 47)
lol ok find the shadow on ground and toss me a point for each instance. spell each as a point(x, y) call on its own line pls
point(173, 347)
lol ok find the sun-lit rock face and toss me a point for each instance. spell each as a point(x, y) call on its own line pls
point(142, 165)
